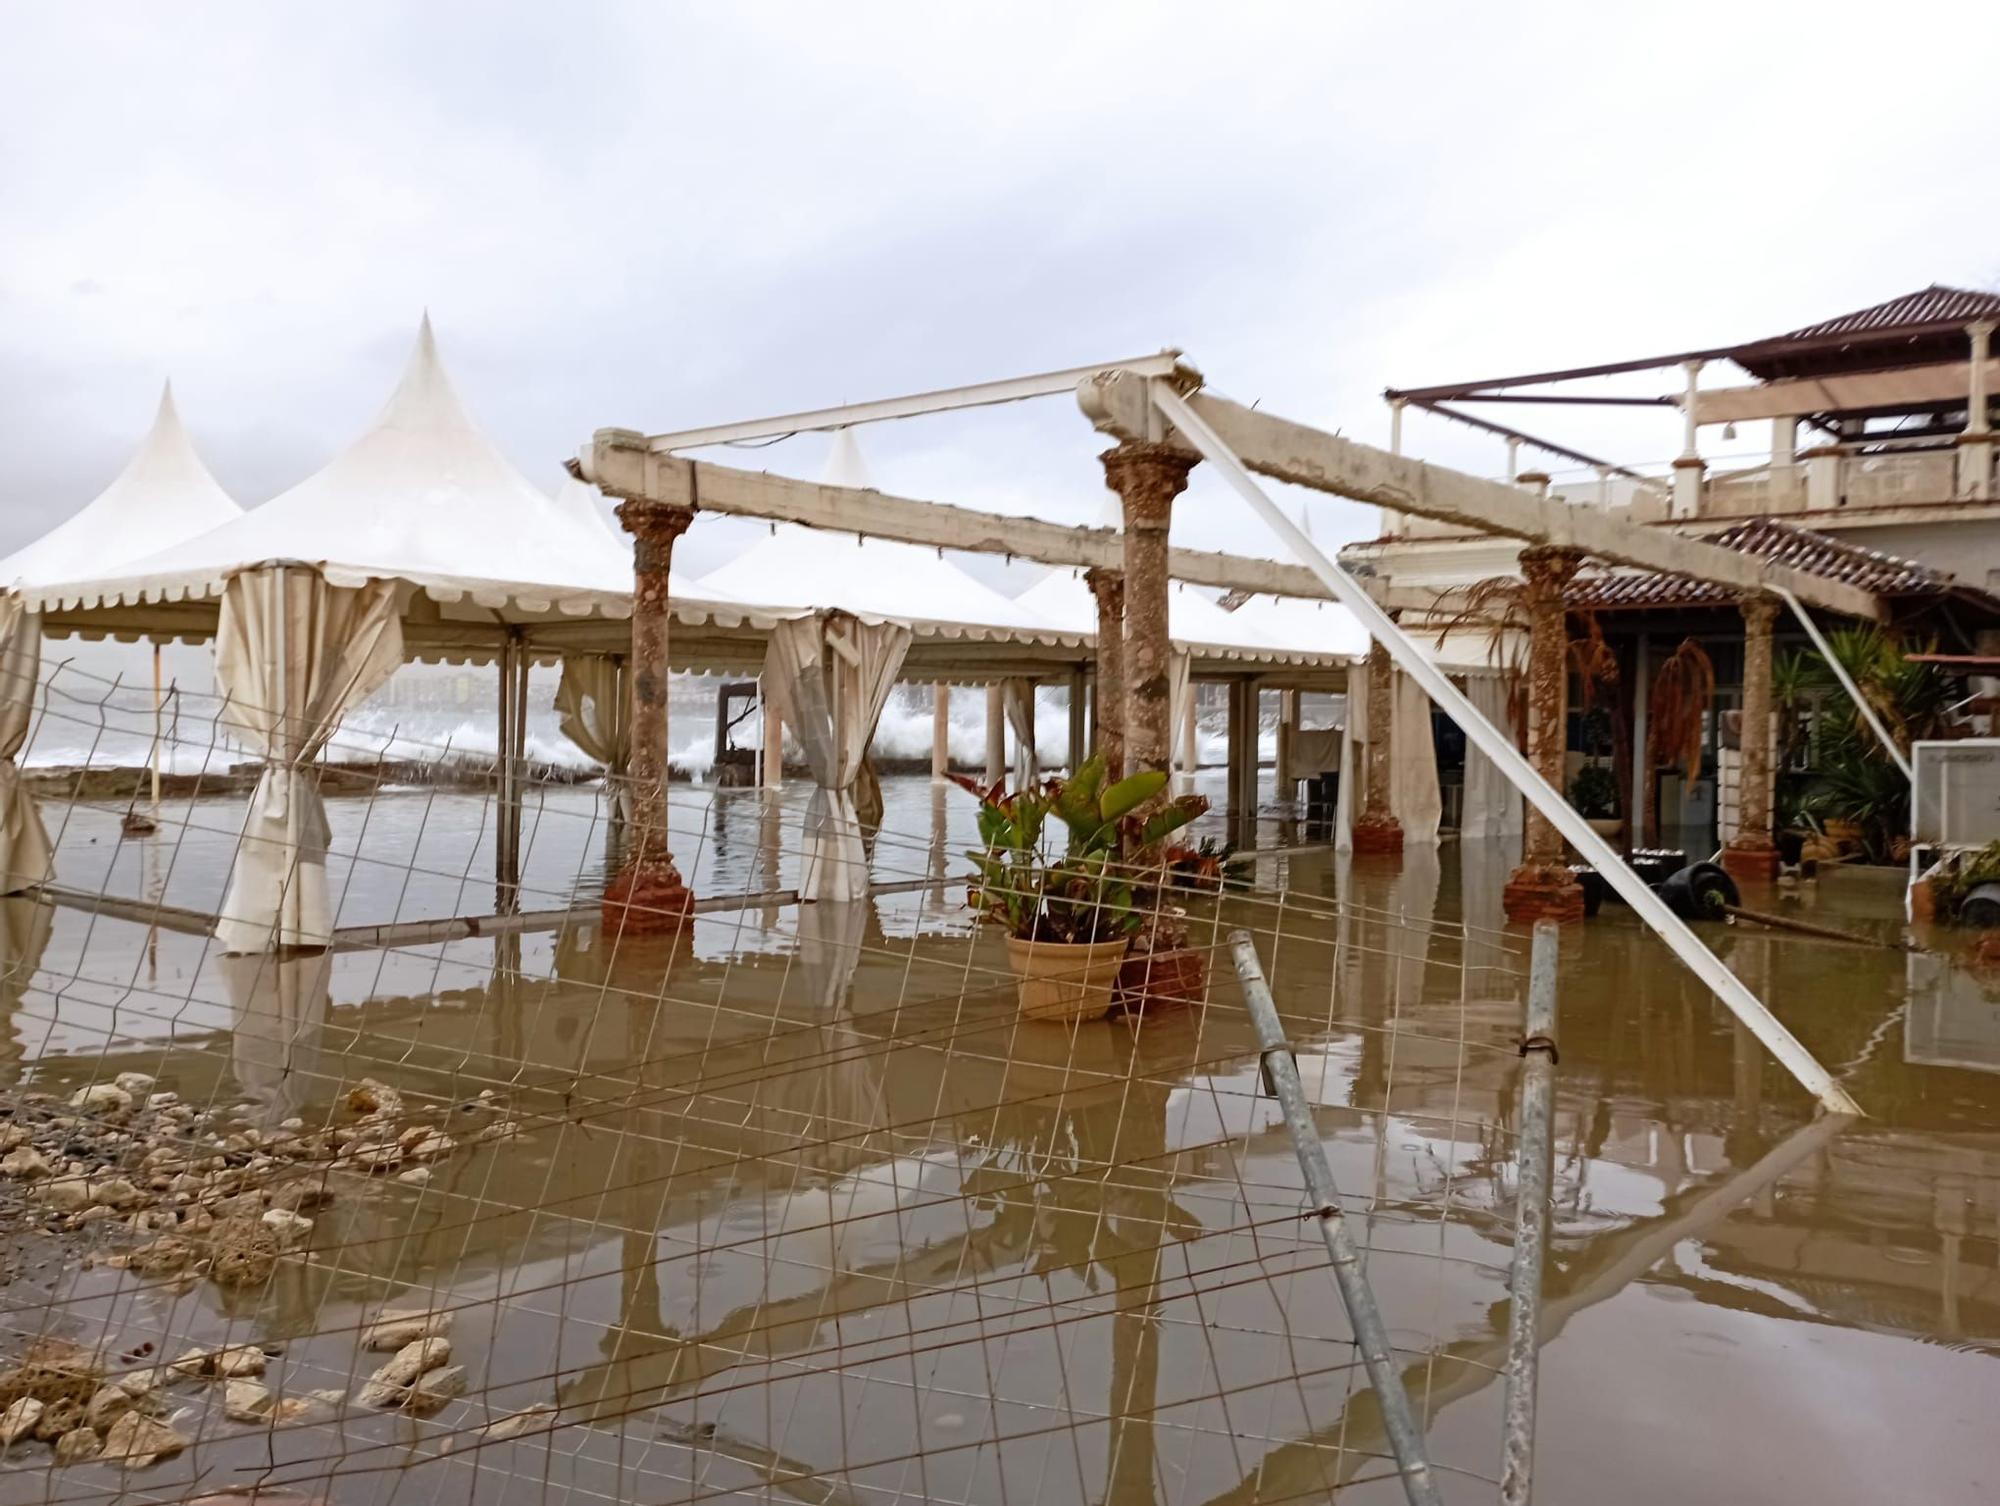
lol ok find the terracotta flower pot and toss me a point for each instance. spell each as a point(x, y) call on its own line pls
point(1151, 980)
point(1064, 980)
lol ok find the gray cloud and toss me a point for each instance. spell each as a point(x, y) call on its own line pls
point(657, 216)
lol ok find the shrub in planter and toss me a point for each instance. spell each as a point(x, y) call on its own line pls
point(1070, 918)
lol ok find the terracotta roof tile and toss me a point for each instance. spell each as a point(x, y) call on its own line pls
point(1781, 543)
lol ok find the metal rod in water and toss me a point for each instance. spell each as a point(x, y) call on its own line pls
point(1406, 1436)
point(1531, 1220)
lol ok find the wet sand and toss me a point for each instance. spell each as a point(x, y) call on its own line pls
point(804, 1213)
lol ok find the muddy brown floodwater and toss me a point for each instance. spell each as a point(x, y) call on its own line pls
point(803, 1213)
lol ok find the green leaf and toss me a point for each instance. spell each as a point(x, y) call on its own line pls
point(1131, 792)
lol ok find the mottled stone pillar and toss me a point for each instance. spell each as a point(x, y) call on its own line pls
point(1108, 586)
point(1376, 829)
point(1751, 853)
point(647, 896)
point(1543, 888)
point(1147, 477)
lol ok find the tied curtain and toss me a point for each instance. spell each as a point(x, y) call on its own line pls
point(1018, 696)
point(1492, 804)
point(1415, 799)
point(594, 709)
point(830, 674)
point(293, 655)
point(25, 856)
point(1181, 751)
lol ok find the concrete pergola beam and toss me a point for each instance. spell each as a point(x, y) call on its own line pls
point(623, 463)
point(1284, 450)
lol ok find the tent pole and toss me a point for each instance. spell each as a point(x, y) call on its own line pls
point(1483, 735)
point(156, 732)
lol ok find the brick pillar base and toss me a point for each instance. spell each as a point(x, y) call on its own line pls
point(1542, 892)
point(1749, 859)
point(647, 899)
point(1378, 836)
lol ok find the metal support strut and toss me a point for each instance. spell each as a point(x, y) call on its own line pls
point(1371, 1336)
point(1531, 1219)
point(1482, 734)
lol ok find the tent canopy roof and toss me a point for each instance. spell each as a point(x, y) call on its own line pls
point(798, 569)
point(1193, 622)
point(163, 496)
point(422, 497)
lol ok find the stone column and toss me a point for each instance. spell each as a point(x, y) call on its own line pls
point(1147, 476)
point(1376, 829)
point(1688, 466)
point(1108, 586)
point(940, 730)
point(647, 896)
point(1751, 853)
point(1975, 445)
point(1543, 888)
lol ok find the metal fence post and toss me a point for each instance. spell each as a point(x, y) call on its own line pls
point(1531, 1219)
point(1371, 1337)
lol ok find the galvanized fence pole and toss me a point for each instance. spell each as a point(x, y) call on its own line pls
point(1371, 1337)
point(1531, 1219)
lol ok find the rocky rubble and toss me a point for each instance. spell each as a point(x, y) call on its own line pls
point(205, 1191)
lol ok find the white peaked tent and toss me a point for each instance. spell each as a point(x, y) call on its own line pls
point(164, 496)
point(420, 537)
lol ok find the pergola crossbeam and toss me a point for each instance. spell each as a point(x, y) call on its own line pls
point(1297, 453)
point(624, 465)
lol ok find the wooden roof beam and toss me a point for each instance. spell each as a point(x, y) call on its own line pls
point(1288, 451)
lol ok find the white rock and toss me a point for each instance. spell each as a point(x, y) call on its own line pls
point(290, 1227)
point(134, 1083)
point(398, 1328)
point(25, 1162)
point(163, 1100)
point(19, 1420)
point(101, 1098)
point(66, 1195)
point(246, 1401)
point(434, 1388)
point(416, 1176)
point(390, 1385)
point(77, 1445)
point(526, 1421)
point(137, 1440)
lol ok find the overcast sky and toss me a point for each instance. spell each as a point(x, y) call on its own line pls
point(656, 216)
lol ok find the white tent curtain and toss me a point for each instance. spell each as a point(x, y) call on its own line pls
point(1415, 799)
point(25, 856)
point(1180, 685)
point(1353, 758)
point(278, 1006)
point(293, 654)
point(1492, 804)
point(830, 674)
point(594, 709)
point(1018, 696)
point(1414, 796)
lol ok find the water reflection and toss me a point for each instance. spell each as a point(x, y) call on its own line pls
point(805, 1209)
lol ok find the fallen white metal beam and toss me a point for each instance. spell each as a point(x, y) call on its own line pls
point(1649, 907)
point(943, 400)
point(1297, 453)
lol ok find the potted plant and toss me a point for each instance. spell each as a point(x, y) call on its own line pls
point(1070, 918)
point(1594, 793)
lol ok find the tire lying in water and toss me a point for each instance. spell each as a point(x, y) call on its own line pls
point(1701, 891)
point(1980, 910)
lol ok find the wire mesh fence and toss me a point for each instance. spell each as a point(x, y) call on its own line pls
point(798, 1206)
